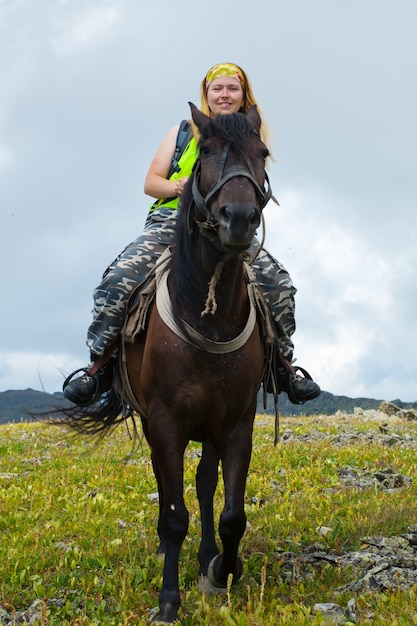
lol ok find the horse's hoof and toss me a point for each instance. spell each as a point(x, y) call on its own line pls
point(168, 615)
point(213, 572)
point(160, 551)
point(205, 586)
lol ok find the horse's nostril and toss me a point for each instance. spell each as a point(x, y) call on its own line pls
point(255, 216)
point(239, 214)
point(225, 212)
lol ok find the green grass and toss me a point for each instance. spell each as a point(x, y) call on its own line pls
point(78, 529)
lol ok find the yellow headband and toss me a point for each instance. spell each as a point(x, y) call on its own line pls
point(224, 69)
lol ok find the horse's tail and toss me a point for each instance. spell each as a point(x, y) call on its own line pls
point(97, 419)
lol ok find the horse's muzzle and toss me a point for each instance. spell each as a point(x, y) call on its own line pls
point(237, 224)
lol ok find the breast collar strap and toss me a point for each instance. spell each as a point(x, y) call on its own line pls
point(202, 203)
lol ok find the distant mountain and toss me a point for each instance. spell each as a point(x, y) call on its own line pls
point(326, 404)
point(17, 406)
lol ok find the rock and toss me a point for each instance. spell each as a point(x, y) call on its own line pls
point(389, 479)
point(385, 479)
point(8, 475)
point(32, 614)
point(324, 530)
point(383, 563)
point(411, 535)
point(332, 613)
point(352, 610)
point(5, 616)
point(410, 414)
point(389, 408)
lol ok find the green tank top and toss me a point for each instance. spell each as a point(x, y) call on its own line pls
point(185, 165)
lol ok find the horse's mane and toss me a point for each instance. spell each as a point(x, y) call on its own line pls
point(186, 289)
point(233, 128)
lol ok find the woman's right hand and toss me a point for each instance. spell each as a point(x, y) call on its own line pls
point(179, 185)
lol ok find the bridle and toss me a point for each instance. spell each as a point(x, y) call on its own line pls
point(202, 203)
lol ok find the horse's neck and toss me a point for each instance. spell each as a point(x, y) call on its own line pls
point(226, 307)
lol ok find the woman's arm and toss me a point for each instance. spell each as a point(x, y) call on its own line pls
point(156, 183)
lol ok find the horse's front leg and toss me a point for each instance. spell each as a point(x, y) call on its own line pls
point(206, 482)
point(235, 462)
point(161, 547)
point(172, 524)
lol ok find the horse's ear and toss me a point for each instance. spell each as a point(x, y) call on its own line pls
point(200, 119)
point(254, 117)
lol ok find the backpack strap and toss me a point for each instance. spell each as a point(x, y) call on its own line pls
point(183, 138)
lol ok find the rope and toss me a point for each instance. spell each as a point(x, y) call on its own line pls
point(211, 304)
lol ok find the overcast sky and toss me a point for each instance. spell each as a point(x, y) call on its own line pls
point(88, 88)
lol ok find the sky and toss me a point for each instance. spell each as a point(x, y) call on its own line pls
point(88, 89)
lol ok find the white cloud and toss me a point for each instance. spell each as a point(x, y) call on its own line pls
point(6, 156)
point(347, 296)
point(34, 370)
point(84, 27)
point(92, 86)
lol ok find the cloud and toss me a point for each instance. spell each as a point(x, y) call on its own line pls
point(73, 31)
point(35, 370)
point(90, 91)
point(350, 320)
point(6, 156)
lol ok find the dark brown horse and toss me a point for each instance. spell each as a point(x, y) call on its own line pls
point(194, 374)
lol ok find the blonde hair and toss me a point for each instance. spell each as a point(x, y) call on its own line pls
point(248, 101)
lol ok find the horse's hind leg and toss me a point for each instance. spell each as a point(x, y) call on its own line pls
point(206, 482)
point(232, 524)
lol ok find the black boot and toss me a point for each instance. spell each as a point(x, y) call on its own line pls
point(299, 388)
point(86, 388)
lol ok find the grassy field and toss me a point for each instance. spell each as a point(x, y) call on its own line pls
point(78, 525)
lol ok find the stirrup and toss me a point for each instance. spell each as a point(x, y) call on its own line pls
point(86, 372)
point(291, 392)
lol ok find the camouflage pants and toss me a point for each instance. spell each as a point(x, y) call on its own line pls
point(140, 256)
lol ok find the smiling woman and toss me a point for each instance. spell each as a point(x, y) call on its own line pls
point(224, 94)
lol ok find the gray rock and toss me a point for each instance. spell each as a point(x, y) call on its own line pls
point(389, 408)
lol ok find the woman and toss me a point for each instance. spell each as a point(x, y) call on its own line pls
point(225, 89)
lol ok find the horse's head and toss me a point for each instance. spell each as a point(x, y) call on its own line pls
point(229, 179)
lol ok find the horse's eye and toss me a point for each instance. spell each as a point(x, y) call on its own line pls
point(264, 154)
point(205, 151)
